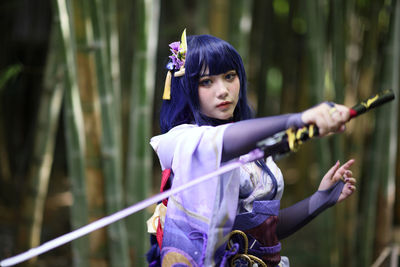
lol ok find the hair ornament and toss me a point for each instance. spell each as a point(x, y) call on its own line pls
point(167, 87)
point(177, 63)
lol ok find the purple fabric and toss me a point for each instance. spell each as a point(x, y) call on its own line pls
point(238, 140)
point(295, 217)
point(192, 151)
point(228, 254)
point(261, 211)
point(264, 167)
point(185, 257)
point(203, 236)
point(259, 251)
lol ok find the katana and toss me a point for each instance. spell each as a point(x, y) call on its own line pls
point(290, 140)
point(277, 146)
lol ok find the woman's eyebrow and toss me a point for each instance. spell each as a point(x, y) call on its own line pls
point(208, 75)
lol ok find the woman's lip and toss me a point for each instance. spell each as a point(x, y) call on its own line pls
point(224, 104)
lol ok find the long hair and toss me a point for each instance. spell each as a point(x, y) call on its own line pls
point(204, 52)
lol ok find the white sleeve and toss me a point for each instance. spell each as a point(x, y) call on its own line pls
point(210, 207)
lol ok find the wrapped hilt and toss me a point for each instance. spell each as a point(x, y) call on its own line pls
point(287, 141)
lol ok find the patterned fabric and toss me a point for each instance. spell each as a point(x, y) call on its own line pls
point(198, 221)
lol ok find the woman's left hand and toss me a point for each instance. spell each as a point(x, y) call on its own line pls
point(337, 173)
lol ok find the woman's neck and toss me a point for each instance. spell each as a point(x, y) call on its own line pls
point(214, 121)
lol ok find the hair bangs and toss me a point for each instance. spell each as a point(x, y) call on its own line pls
point(209, 55)
point(217, 61)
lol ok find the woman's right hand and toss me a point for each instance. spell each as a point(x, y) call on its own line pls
point(336, 173)
point(328, 117)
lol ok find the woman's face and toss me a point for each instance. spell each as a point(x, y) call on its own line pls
point(219, 94)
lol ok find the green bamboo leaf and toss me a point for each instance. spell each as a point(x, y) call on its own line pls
point(8, 74)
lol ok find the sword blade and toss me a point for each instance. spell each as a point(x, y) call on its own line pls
point(61, 240)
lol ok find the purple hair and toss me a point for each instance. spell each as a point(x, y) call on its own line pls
point(203, 52)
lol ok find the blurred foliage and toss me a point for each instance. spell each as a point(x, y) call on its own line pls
point(8, 74)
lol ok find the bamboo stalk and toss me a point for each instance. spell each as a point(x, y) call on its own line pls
point(316, 22)
point(112, 43)
point(240, 26)
point(74, 132)
point(375, 170)
point(218, 23)
point(260, 55)
point(338, 43)
point(126, 39)
point(394, 257)
point(139, 158)
point(110, 144)
point(370, 194)
point(91, 111)
point(397, 200)
point(359, 133)
point(386, 193)
point(261, 58)
point(201, 17)
point(43, 151)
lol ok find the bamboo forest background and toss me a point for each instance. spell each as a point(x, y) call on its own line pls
point(80, 92)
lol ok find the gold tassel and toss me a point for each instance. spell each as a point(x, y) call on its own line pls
point(167, 87)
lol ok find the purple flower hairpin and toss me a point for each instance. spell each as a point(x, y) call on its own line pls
point(177, 63)
point(177, 56)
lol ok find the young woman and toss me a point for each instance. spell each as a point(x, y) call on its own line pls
point(205, 122)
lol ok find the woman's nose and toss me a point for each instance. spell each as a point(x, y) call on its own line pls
point(222, 90)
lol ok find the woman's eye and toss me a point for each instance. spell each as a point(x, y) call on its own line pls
point(205, 82)
point(230, 76)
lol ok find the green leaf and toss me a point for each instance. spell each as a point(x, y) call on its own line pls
point(9, 73)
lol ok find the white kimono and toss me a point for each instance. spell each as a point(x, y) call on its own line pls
point(199, 220)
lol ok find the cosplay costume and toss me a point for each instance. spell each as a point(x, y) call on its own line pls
point(201, 223)
point(233, 219)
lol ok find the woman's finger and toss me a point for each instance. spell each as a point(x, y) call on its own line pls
point(351, 181)
point(339, 115)
point(332, 171)
point(346, 166)
point(347, 191)
point(341, 172)
point(344, 112)
point(348, 174)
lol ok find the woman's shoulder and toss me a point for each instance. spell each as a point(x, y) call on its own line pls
point(181, 132)
point(171, 134)
point(176, 130)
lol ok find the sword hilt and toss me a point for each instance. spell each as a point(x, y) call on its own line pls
point(290, 140)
